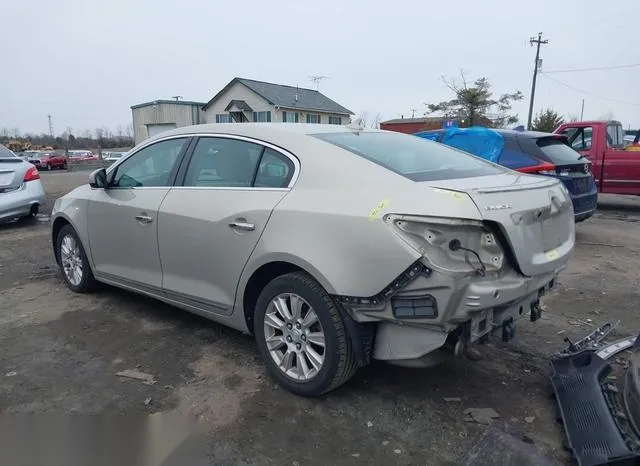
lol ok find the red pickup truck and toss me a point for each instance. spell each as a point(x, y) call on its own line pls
point(615, 170)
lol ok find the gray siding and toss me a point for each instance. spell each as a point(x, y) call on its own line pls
point(179, 114)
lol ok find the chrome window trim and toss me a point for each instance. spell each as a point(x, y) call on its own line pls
point(280, 150)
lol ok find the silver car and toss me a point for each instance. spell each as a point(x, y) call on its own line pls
point(331, 245)
point(21, 191)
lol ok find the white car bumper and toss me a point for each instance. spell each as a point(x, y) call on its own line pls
point(18, 203)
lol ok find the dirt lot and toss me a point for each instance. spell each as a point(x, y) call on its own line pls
point(59, 353)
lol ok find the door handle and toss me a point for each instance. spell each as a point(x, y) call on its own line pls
point(242, 226)
point(144, 218)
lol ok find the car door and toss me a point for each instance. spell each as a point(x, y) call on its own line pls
point(122, 218)
point(209, 226)
point(621, 172)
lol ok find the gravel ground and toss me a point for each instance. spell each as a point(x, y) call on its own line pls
point(60, 352)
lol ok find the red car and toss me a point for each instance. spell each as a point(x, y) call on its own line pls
point(48, 161)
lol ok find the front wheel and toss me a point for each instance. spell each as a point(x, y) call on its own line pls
point(73, 261)
point(301, 336)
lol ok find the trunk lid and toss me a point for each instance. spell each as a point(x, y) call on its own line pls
point(10, 174)
point(533, 213)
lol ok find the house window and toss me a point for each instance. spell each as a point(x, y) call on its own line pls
point(289, 117)
point(311, 118)
point(262, 116)
point(335, 120)
point(223, 118)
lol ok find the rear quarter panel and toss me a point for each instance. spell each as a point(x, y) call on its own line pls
point(331, 223)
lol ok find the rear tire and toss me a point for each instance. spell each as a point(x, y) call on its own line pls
point(73, 261)
point(296, 344)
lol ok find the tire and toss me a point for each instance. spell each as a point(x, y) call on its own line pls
point(33, 212)
point(64, 166)
point(339, 363)
point(87, 282)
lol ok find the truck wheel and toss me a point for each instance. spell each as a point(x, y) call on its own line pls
point(73, 261)
point(301, 336)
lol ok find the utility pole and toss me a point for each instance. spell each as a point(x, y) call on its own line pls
point(50, 125)
point(582, 111)
point(413, 112)
point(539, 41)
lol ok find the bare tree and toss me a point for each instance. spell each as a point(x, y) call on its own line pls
point(607, 116)
point(375, 123)
point(573, 117)
point(363, 118)
point(129, 130)
point(15, 132)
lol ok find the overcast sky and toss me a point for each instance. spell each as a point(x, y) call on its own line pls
point(86, 61)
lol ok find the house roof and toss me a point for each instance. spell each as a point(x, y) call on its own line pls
point(172, 102)
point(285, 96)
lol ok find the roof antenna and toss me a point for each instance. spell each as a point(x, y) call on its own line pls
point(176, 97)
point(316, 80)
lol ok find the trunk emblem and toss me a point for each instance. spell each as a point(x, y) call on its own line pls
point(497, 207)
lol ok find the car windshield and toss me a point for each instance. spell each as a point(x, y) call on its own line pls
point(412, 157)
point(557, 152)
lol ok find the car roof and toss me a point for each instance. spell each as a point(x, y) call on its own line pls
point(258, 130)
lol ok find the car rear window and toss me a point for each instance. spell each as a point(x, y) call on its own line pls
point(7, 156)
point(554, 150)
point(412, 157)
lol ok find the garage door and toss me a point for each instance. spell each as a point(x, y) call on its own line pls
point(152, 130)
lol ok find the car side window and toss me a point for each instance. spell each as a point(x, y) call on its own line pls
point(151, 166)
point(580, 138)
point(223, 162)
point(275, 170)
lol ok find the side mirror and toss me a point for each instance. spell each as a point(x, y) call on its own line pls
point(98, 178)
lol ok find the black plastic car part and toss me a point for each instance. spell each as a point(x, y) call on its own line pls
point(594, 421)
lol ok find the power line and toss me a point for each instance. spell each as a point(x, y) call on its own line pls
point(562, 83)
point(597, 68)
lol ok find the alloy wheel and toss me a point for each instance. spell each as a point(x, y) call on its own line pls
point(294, 336)
point(71, 259)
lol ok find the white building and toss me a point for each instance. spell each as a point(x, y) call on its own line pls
point(245, 100)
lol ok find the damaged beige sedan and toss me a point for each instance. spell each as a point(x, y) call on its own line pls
point(331, 245)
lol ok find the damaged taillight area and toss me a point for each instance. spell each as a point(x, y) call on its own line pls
point(455, 246)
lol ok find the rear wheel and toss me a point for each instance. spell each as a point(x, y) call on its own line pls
point(73, 261)
point(301, 336)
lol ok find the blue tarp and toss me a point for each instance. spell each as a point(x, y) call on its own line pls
point(477, 140)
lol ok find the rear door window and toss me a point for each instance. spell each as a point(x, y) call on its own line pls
point(557, 152)
point(223, 163)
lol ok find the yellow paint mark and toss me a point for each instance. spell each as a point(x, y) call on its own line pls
point(459, 197)
point(376, 210)
point(552, 254)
